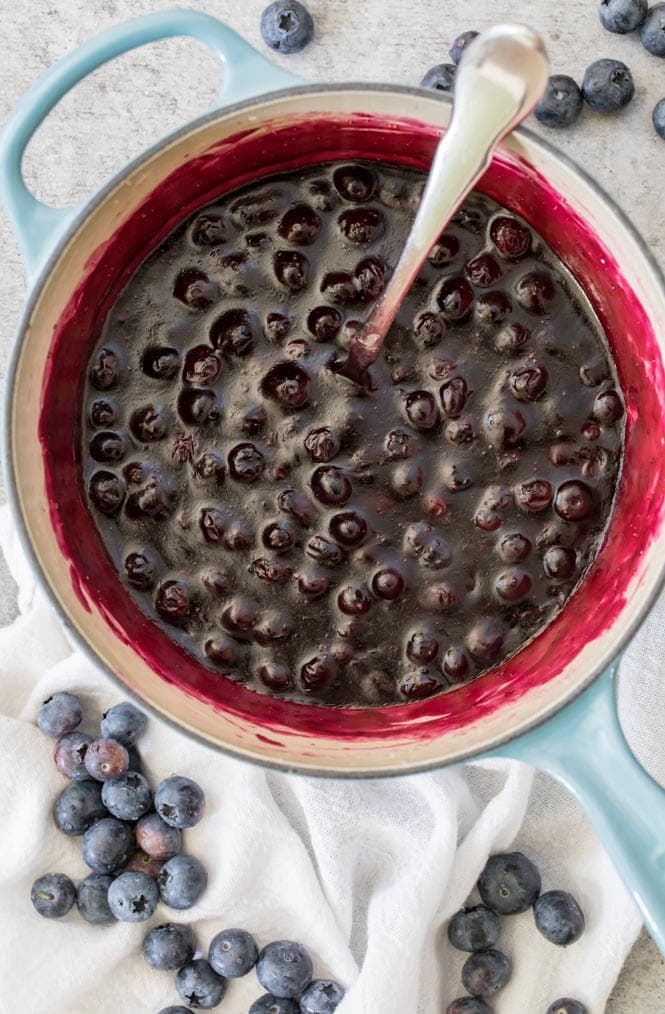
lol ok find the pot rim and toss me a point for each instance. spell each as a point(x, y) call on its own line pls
point(34, 291)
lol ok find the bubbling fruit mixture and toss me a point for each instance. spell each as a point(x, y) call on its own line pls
point(324, 543)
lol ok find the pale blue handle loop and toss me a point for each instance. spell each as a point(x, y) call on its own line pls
point(584, 748)
point(246, 73)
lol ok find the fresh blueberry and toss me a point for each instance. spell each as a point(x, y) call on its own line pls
point(178, 1009)
point(322, 996)
point(124, 723)
point(284, 968)
point(199, 985)
point(92, 899)
point(509, 884)
point(179, 801)
point(561, 103)
point(474, 929)
point(107, 845)
point(460, 44)
point(69, 755)
point(169, 946)
point(233, 953)
point(441, 78)
point(59, 714)
point(486, 972)
point(269, 1004)
point(128, 796)
point(658, 118)
point(287, 26)
point(106, 759)
point(182, 880)
point(53, 895)
point(133, 897)
point(622, 16)
point(156, 838)
point(78, 806)
point(608, 84)
point(559, 918)
point(653, 31)
point(566, 1006)
point(469, 1005)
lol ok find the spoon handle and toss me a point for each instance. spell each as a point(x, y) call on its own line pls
point(488, 104)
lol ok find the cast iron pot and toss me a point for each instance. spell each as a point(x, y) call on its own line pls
point(553, 703)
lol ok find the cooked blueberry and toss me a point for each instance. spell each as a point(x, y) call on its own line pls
point(222, 650)
point(573, 501)
point(233, 953)
point(559, 562)
point(287, 384)
point(169, 946)
point(246, 463)
point(534, 496)
point(319, 672)
point(421, 411)
point(485, 641)
point(127, 796)
point(460, 44)
point(484, 271)
point(287, 26)
point(440, 78)
point(133, 897)
point(53, 895)
point(330, 486)
point(275, 676)
point(197, 406)
point(78, 806)
point(370, 276)
point(455, 664)
point(161, 363)
point(339, 287)
point(388, 584)
point(607, 408)
point(149, 424)
point(608, 84)
point(419, 684)
point(511, 238)
point(269, 1004)
point(355, 183)
point(276, 570)
point(102, 414)
point(107, 491)
point(535, 291)
point(209, 230)
point(444, 250)
point(92, 899)
point(558, 917)
point(561, 103)
point(509, 883)
point(474, 929)
point(653, 30)
point(453, 394)
point(486, 972)
point(529, 382)
point(567, 1006)
point(511, 338)
point(157, 838)
point(354, 600)
point(59, 714)
point(107, 845)
point(300, 225)
point(455, 299)
point(514, 548)
point(348, 528)
point(322, 996)
point(194, 289)
point(107, 447)
point(140, 573)
point(233, 333)
point(179, 801)
point(422, 646)
point(492, 308)
point(181, 881)
point(284, 968)
point(292, 269)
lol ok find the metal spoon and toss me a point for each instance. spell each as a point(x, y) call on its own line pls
point(500, 78)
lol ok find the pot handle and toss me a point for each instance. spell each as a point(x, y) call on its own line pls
point(584, 748)
point(246, 73)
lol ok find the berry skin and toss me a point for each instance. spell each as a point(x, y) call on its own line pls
point(658, 118)
point(124, 723)
point(469, 1005)
point(69, 755)
point(157, 839)
point(106, 759)
point(181, 881)
point(284, 968)
point(53, 895)
point(233, 953)
point(561, 103)
point(199, 985)
point(179, 801)
point(59, 714)
point(486, 972)
point(460, 44)
point(474, 929)
point(608, 85)
point(78, 806)
point(567, 1006)
point(269, 1004)
point(92, 899)
point(322, 996)
point(653, 31)
point(107, 845)
point(128, 796)
point(287, 26)
point(141, 862)
point(559, 918)
point(440, 78)
point(509, 884)
point(133, 897)
point(169, 946)
point(622, 16)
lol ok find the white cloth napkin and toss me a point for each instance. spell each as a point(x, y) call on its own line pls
point(365, 874)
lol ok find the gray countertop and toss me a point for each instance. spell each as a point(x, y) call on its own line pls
point(122, 108)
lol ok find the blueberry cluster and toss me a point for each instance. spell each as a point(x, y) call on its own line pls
point(132, 840)
point(283, 968)
point(509, 884)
